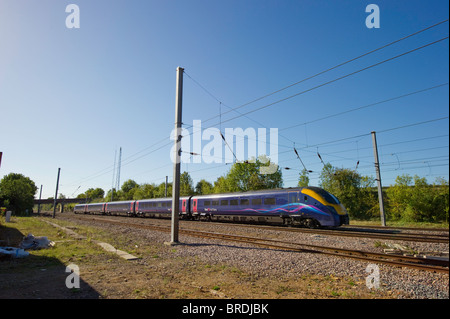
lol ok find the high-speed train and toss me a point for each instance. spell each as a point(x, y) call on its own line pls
point(302, 206)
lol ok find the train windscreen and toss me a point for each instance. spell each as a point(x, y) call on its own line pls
point(327, 196)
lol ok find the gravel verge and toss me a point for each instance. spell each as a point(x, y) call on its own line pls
point(261, 262)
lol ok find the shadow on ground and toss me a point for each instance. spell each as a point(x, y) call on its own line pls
point(36, 277)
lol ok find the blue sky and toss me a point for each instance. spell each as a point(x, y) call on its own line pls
point(70, 98)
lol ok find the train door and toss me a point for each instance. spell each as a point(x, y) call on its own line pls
point(194, 205)
point(183, 206)
point(293, 200)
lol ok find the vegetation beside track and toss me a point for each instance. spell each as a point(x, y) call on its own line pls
point(157, 274)
point(401, 223)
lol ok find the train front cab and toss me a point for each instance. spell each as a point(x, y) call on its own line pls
point(331, 203)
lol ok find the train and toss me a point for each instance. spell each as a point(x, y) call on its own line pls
point(311, 207)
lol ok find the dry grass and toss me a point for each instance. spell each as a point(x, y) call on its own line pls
point(158, 274)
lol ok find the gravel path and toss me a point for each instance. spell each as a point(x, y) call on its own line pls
point(409, 283)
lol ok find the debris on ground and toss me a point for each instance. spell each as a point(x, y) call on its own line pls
point(13, 252)
point(32, 242)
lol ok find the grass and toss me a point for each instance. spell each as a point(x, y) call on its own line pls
point(65, 251)
point(159, 274)
point(399, 223)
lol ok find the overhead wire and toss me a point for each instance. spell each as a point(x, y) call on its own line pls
point(129, 159)
point(334, 67)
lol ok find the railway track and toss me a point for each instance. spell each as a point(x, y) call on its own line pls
point(432, 265)
point(346, 232)
point(374, 232)
point(354, 231)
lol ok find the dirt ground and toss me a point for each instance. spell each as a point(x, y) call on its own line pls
point(157, 274)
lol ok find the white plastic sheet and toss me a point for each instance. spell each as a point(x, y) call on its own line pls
point(13, 252)
point(32, 242)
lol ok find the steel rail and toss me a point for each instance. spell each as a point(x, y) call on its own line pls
point(394, 260)
point(439, 238)
point(349, 233)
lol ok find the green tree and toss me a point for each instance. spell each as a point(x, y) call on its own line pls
point(17, 192)
point(161, 188)
point(115, 195)
point(303, 179)
point(128, 189)
point(246, 176)
point(441, 199)
point(97, 193)
point(186, 184)
point(221, 185)
point(204, 187)
point(413, 199)
point(144, 191)
point(353, 190)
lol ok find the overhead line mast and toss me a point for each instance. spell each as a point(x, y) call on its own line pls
point(118, 170)
point(177, 158)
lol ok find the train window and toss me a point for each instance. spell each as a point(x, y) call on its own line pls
point(306, 198)
point(207, 203)
point(245, 201)
point(269, 201)
point(215, 203)
point(256, 201)
point(154, 204)
point(164, 204)
point(159, 204)
point(327, 196)
point(234, 202)
point(224, 202)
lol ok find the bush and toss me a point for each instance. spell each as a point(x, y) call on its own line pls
point(413, 199)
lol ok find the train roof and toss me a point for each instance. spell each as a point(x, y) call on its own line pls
point(247, 193)
point(262, 191)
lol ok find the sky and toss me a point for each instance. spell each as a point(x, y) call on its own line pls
point(71, 97)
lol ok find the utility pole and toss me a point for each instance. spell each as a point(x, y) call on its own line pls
point(118, 169)
point(39, 205)
point(56, 193)
point(176, 166)
point(165, 189)
point(380, 189)
point(113, 179)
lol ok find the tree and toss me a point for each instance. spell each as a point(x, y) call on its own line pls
point(246, 176)
point(353, 190)
point(17, 192)
point(441, 199)
point(161, 189)
point(221, 185)
point(97, 193)
point(303, 179)
point(128, 189)
point(413, 199)
point(204, 187)
point(115, 195)
point(186, 184)
point(144, 191)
